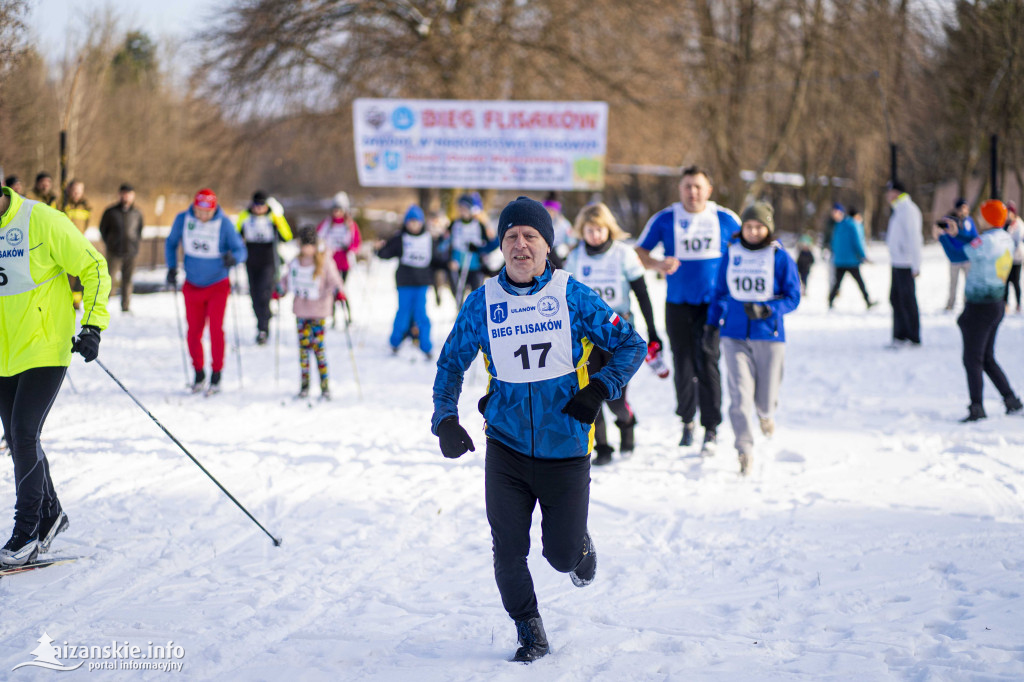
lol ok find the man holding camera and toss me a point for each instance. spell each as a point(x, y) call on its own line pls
point(958, 263)
point(990, 258)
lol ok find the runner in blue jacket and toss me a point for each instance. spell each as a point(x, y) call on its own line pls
point(757, 284)
point(212, 247)
point(536, 327)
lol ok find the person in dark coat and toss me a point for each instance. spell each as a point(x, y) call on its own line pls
point(121, 229)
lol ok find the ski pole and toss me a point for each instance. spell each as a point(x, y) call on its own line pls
point(463, 276)
point(277, 541)
point(351, 350)
point(181, 333)
point(234, 314)
point(67, 375)
point(277, 344)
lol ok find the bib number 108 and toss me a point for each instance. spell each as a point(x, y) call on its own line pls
point(524, 354)
point(749, 284)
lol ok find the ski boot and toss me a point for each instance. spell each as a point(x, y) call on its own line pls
point(710, 443)
point(975, 412)
point(197, 385)
point(53, 526)
point(23, 548)
point(214, 386)
point(1013, 404)
point(687, 439)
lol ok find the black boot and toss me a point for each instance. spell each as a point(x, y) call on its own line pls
point(603, 456)
point(586, 569)
point(1013, 404)
point(532, 639)
point(626, 432)
point(975, 412)
point(197, 385)
point(687, 439)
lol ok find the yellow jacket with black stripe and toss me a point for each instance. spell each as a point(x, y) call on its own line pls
point(36, 326)
point(278, 221)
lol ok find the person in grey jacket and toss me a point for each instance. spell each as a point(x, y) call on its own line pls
point(904, 239)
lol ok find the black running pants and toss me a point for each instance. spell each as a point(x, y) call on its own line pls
point(697, 377)
point(514, 484)
point(25, 400)
point(978, 323)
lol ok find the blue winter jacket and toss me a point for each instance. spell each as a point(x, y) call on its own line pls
point(954, 246)
point(528, 417)
point(202, 272)
point(848, 244)
point(728, 313)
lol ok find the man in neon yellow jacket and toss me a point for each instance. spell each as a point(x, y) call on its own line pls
point(39, 246)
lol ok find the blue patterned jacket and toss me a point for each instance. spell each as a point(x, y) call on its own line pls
point(527, 417)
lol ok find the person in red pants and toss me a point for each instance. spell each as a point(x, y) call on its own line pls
point(212, 246)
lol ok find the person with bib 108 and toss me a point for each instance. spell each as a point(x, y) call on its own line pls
point(611, 269)
point(536, 327)
point(757, 284)
point(212, 245)
point(315, 280)
point(416, 250)
point(694, 234)
point(262, 226)
point(39, 248)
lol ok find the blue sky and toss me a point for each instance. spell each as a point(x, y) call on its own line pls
point(54, 20)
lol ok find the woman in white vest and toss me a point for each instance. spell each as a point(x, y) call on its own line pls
point(314, 278)
point(757, 284)
point(612, 269)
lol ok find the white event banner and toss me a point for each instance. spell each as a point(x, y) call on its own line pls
point(480, 144)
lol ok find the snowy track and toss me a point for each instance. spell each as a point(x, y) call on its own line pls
point(876, 539)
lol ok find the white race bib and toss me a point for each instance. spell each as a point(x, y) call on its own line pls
point(697, 236)
point(258, 229)
point(305, 285)
point(201, 239)
point(529, 335)
point(604, 274)
point(751, 274)
point(338, 236)
point(416, 249)
point(15, 271)
point(464, 234)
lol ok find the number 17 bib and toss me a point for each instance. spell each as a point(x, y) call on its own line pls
point(529, 335)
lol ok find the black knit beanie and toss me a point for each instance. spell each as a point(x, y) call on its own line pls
point(526, 211)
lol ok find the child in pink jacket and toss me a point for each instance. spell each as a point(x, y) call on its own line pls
point(314, 279)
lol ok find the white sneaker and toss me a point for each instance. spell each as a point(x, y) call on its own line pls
point(746, 461)
point(767, 426)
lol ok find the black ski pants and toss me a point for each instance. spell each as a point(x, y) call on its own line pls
point(619, 407)
point(25, 400)
point(698, 379)
point(906, 320)
point(514, 484)
point(855, 273)
point(1013, 281)
point(978, 323)
point(261, 270)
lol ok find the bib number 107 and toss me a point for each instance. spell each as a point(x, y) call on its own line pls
point(749, 284)
point(524, 354)
point(695, 244)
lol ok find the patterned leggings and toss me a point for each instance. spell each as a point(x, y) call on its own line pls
point(311, 338)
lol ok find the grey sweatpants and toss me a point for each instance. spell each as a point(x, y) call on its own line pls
point(755, 374)
point(955, 270)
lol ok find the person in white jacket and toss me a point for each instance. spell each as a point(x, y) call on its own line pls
point(904, 239)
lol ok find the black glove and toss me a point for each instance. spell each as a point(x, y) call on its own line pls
point(757, 311)
point(472, 248)
point(87, 343)
point(709, 341)
point(585, 405)
point(454, 439)
point(172, 277)
point(228, 259)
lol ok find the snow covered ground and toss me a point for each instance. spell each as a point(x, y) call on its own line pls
point(877, 538)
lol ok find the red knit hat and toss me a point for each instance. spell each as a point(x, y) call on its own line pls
point(206, 199)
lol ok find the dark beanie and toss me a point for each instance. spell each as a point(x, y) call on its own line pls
point(526, 211)
point(259, 198)
point(762, 212)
